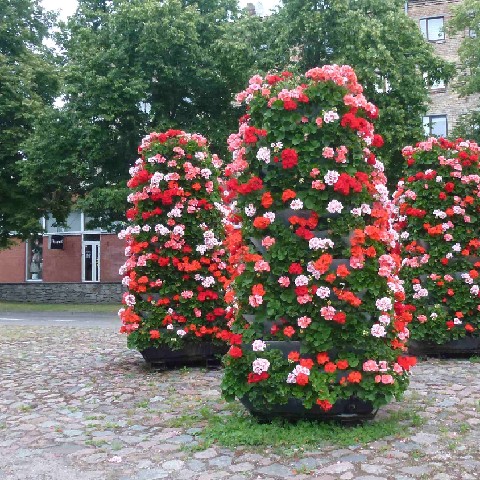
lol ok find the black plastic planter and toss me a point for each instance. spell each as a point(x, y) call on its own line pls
point(200, 354)
point(350, 411)
point(463, 347)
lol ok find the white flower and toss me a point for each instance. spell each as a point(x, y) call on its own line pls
point(331, 177)
point(334, 206)
point(181, 332)
point(260, 365)
point(263, 154)
point(259, 346)
point(384, 304)
point(317, 243)
point(378, 330)
point(296, 204)
point(301, 280)
point(323, 292)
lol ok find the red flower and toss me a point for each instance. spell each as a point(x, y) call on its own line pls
point(330, 367)
point(295, 268)
point(289, 158)
point(302, 379)
point(154, 334)
point(342, 364)
point(449, 186)
point(324, 405)
point(322, 358)
point(235, 352)
point(289, 331)
point(255, 377)
point(354, 377)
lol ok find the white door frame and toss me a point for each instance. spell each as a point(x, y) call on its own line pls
point(95, 260)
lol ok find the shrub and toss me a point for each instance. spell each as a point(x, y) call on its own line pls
point(175, 272)
point(314, 266)
point(437, 217)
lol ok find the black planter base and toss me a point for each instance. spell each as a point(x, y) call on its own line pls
point(200, 354)
point(464, 347)
point(350, 411)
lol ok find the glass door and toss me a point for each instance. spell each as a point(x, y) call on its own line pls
point(91, 261)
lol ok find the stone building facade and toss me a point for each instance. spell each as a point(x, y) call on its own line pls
point(446, 106)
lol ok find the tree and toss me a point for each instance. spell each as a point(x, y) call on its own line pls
point(387, 51)
point(27, 85)
point(129, 67)
point(466, 19)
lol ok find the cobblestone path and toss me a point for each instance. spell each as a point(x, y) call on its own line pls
point(75, 404)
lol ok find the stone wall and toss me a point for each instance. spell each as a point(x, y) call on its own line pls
point(444, 101)
point(61, 292)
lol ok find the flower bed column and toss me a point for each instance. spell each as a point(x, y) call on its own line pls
point(320, 321)
point(438, 211)
point(175, 272)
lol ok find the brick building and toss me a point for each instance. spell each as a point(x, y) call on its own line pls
point(65, 264)
point(446, 106)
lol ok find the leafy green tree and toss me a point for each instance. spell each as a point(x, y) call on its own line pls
point(387, 51)
point(466, 19)
point(131, 66)
point(27, 85)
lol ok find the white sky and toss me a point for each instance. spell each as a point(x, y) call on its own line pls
point(67, 7)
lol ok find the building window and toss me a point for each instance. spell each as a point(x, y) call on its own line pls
point(435, 126)
point(440, 85)
point(432, 28)
point(35, 258)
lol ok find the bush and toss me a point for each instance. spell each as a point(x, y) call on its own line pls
point(175, 272)
point(437, 217)
point(314, 266)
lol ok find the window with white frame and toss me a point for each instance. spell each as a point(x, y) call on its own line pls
point(435, 125)
point(433, 28)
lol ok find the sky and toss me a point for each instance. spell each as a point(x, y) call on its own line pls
point(67, 7)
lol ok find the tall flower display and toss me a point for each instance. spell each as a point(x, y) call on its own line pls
point(320, 313)
point(176, 267)
point(438, 207)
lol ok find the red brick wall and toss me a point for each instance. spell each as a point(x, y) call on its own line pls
point(63, 265)
point(112, 257)
point(12, 264)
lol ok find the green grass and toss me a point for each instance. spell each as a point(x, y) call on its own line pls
point(53, 307)
point(241, 429)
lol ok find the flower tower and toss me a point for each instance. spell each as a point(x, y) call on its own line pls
point(321, 319)
point(438, 205)
point(176, 266)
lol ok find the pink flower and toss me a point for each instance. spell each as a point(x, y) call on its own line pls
point(370, 366)
point(328, 152)
point(261, 266)
point(267, 242)
point(319, 121)
point(284, 281)
point(318, 185)
point(327, 312)
point(304, 322)
point(255, 300)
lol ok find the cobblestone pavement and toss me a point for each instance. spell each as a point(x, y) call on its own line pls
point(75, 404)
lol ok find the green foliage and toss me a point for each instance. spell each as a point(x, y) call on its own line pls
point(465, 22)
point(27, 84)
point(237, 429)
point(130, 67)
point(381, 43)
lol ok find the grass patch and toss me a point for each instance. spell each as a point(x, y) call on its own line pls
point(242, 429)
point(54, 307)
